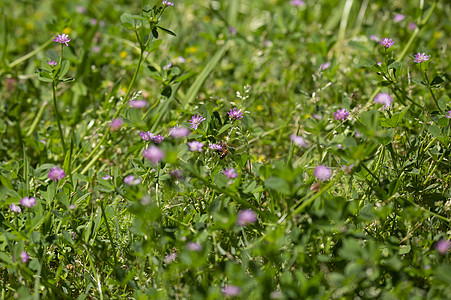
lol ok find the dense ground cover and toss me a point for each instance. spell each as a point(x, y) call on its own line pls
point(239, 149)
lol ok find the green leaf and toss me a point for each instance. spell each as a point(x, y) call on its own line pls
point(64, 68)
point(437, 81)
point(224, 128)
point(395, 119)
point(278, 184)
point(435, 131)
point(167, 31)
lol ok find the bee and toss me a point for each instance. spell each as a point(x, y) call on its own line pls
point(224, 150)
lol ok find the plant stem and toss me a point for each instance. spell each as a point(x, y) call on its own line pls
point(108, 230)
point(55, 109)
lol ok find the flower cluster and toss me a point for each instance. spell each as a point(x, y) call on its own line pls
point(167, 3)
point(385, 99)
point(230, 173)
point(154, 154)
point(322, 173)
point(387, 43)
point(62, 39)
point(421, 57)
point(235, 114)
point(28, 202)
point(131, 180)
point(149, 136)
point(195, 146)
point(116, 124)
point(341, 114)
point(215, 147)
point(245, 217)
point(138, 103)
point(56, 174)
point(298, 141)
point(196, 120)
point(179, 132)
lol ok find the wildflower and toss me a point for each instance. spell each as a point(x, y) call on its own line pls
point(215, 147)
point(170, 258)
point(24, 256)
point(96, 49)
point(341, 114)
point(146, 135)
point(176, 173)
point(379, 63)
point(297, 3)
point(322, 173)
point(179, 132)
point(196, 120)
point(131, 180)
point(73, 206)
point(107, 177)
point(181, 59)
point(14, 208)
point(298, 141)
point(116, 124)
point(387, 43)
point(442, 247)
point(383, 98)
point(28, 202)
point(154, 154)
point(195, 146)
point(347, 169)
point(374, 38)
point(52, 63)
point(449, 115)
point(167, 67)
point(62, 39)
point(232, 30)
point(157, 139)
point(194, 247)
point(81, 9)
point(324, 66)
point(398, 18)
point(245, 217)
point(167, 3)
point(56, 174)
point(138, 103)
point(421, 57)
point(230, 173)
point(231, 290)
point(235, 114)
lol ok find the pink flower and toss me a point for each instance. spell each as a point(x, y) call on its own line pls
point(398, 18)
point(116, 124)
point(131, 180)
point(196, 120)
point(383, 98)
point(442, 247)
point(154, 154)
point(138, 103)
point(341, 114)
point(56, 174)
point(231, 290)
point(298, 141)
point(297, 3)
point(374, 38)
point(245, 217)
point(52, 63)
point(194, 247)
point(14, 208)
point(170, 258)
point(230, 173)
point(324, 66)
point(421, 57)
point(235, 114)
point(322, 173)
point(24, 256)
point(62, 39)
point(179, 132)
point(28, 202)
point(215, 147)
point(195, 146)
point(387, 43)
point(412, 26)
point(449, 115)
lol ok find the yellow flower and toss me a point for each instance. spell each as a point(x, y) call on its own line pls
point(191, 49)
point(123, 54)
point(260, 107)
point(67, 30)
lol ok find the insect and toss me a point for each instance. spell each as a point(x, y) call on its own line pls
point(224, 149)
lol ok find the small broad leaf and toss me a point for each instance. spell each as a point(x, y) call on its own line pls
point(437, 81)
point(167, 91)
point(167, 31)
point(155, 33)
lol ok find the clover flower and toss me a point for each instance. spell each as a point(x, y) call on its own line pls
point(14, 208)
point(421, 57)
point(196, 120)
point(154, 154)
point(56, 174)
point(245, 217)
point(215, 147)
point(167, 67)
point(179, 132)
point(52, 63)
point(116, 124)
point(230, 173)
point(442, 247)
point(383, 98)
point(24, 256)
point(231, 290)
point(449, 115)
point(146, 135)
point(167, 3)
point(324, 66)
point(298, 141)
point(399, 18)
point(194, 247)
point(28, 202)
point(170, 257)
point(131, 180)
point(374, 38)
point(235, 114)
point(232, 30)
point(157, 139)
point(412, 26)
point(195, 146)
point(341, 114)
point(62, 39)
point(387, 43)
point(107, 177)
point(322, 173)
point(138, 103)
point(297, 3)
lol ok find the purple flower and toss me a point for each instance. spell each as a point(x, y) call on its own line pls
point(341, 114)
point(96, 49)
point(196, 120)
point(107, 177)
point(379, 63)
point(179, 132)
point(232, 30)
point(131, 180)
point(374, 38)
point(245, 217)
point(52, 63)
point(167, 3)
point(154, 154)
point(387, 43)
point(167, 67)
point(73, 206)
point(398, 18)
point(138, 103)
point(146, 135)
point(235, 114)
point(62, 39)
point(347, 169)
point(215, 147)
point(116, 124)
point(14, 208)
point(157, 139)
point(231, 290)
point(56, 174)
point(324, 66)
point(297, 3)
point(176, 173)
point(442, 247)
point(298, 141)
point(449, 115)
point(195, 146)
point(383, 98)
point(421, 57)
point(230, 173)
point(24, 256)
point(412, 26)
point(81, 9)
point(322, 173)
point(28, 202)
point(194, 247)
point(170, 258)
point(181, 59)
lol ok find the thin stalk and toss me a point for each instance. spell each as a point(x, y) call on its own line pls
point(55, 109)
point(31, 54)
point(108, 230)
